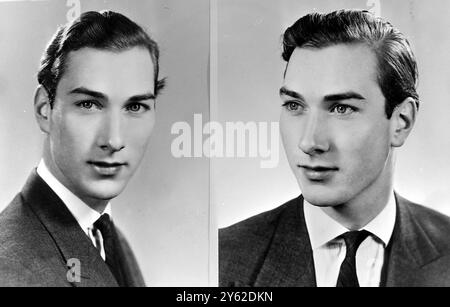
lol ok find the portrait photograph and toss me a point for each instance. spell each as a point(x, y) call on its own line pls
point(211, 144)
point(353, 190)
point(163, 212)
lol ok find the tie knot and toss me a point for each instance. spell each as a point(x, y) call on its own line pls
point(104, 224)
point(353, 239)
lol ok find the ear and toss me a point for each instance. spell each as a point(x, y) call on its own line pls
point(42, 108)
point(403, 119)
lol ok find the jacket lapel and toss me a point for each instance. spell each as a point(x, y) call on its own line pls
point(289, 261)
point(129, 265)
point(410, 249)
point(65, 231)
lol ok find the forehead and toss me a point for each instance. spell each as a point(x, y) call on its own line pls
point(107, 71)
point(335, 68)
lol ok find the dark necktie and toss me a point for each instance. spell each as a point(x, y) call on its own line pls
point(111, 245)
point(347, 274)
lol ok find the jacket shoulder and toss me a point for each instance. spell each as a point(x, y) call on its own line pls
point(15, 220)
point(256, 226)
point(132, 266)
point(244, 245)
point(25, 247)
point(434, 224)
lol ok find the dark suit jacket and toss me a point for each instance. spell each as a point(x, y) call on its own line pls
point(273, 249)
point(38, 235)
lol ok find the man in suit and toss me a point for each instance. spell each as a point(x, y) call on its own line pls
point(95, 102)
point(348, 101)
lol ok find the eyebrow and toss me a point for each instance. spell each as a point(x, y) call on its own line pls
point(332, 97)
point(86, 91)
point(285, 91)
point(99, 95)
point(142, 97)
point(344, 96)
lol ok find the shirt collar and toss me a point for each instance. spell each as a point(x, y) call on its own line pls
point(383, 224)
point(322, 228)
point(85, 215)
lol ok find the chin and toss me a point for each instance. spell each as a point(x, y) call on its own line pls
point(324, 196)
point(105, 191)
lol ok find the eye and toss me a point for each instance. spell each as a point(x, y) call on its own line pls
point(88, 104)
point(342, 109)
point(137, 107)
point(292, 106)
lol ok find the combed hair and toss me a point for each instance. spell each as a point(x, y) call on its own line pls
point(105, 30)
point(397, 67)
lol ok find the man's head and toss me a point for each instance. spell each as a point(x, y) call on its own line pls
point(349, 97)
point(397, 72)
point(96, 103)
point(105, 30)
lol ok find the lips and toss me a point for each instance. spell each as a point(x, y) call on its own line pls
point(105, 168)
point(318, 172)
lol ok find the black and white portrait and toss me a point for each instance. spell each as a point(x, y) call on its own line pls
point(230, 143)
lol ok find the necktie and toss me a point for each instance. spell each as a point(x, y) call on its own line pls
point(111, 246)
point(347, 274)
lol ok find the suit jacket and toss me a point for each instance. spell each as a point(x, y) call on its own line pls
point(38, 235)
point(273, 249)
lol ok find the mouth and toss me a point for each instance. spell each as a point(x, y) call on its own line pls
point(318, 173)
point(104, 168)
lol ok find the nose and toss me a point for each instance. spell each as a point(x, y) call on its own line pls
point(313, 139)
point(111, 135)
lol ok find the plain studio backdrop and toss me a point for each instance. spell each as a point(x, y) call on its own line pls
point(250, 74)
point(164, 211)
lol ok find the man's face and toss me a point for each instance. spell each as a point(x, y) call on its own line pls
point(103, 115)
point(333, 124)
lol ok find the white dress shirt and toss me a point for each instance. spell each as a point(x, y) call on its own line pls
point(329, 252)
point(85, 215)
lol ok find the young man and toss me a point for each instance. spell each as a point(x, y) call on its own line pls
point(95, 102)
point(348, 101)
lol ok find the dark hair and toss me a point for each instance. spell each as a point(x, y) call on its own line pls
point(397, 68)
point(100, 30)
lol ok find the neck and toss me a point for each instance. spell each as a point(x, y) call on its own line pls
point(364, 207)
point(97, 205)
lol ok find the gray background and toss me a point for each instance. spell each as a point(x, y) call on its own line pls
point(164, 211)
point(250, 74)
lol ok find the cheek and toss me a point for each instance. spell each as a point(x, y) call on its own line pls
point(74, 136)
point(366, 151)
point(138, 134)
point(288, 131)
point(80, 132)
